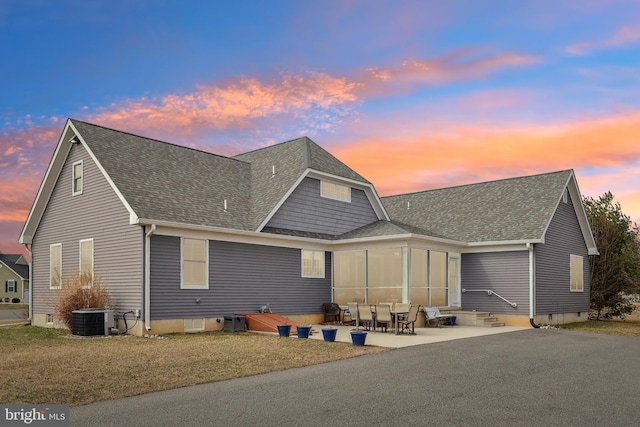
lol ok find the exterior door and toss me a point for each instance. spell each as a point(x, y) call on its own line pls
point(454, 282)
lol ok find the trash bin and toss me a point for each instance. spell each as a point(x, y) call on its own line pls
point(235, 324)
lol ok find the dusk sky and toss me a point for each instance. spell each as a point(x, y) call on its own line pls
point(413, 95)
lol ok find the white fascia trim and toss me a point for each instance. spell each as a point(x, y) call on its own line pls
point(576, 200)
point(132, 215)
point(576, 195)
point(505, 246)
point(53, 173)
point(312, 173)
point(168, 228)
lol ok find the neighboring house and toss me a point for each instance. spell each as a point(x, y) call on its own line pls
point(187, 237)
point(14, 276)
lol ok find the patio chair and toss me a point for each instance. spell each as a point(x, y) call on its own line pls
point(433, 314)
point(410, 320)
point(383, 315)
point(365, 316)
point(352, 312)
point(331, 310)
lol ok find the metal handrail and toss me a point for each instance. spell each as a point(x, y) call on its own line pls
point(489, 293)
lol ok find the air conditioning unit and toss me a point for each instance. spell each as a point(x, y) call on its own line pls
point(92, 322)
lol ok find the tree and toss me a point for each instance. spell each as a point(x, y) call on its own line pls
point(617, 269)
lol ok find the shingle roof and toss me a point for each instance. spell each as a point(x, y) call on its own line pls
point(10, 261)
point(512, 209)
point(167, 182)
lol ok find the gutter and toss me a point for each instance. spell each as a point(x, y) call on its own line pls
point(147, 277)
point(532, 294)
point(26, 246)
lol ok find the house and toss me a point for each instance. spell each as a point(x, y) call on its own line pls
point(14, 274)
point(184, 237)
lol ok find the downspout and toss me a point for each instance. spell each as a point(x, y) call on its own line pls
point(531, 287)
point(26, 246)
point(147, 277)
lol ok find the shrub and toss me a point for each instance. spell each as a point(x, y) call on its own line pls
point(15, 300)
point(80, 291)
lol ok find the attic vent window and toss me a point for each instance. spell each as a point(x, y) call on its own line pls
point(564, 196)
point(77, 177)
point(334, 191)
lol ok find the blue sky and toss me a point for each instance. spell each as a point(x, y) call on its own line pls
point(412, 94)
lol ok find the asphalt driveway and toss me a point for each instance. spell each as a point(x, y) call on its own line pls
point(535, 377)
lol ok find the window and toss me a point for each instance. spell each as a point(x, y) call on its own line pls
point(11, 286)
point(55, 266)
point(576, 273)
point(312, 263)
point(86, 259)
point(335, 191)
point(77, 177)
point(195, 272)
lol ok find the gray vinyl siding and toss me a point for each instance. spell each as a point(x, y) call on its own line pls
point(242, 277)
point(305, 210)
point(99, 214)
point(562, 239)
point(506, 273)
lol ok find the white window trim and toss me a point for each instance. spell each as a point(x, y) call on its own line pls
point(571, 257)
point(323, 265)
point(60, 270)
point(206, 268)
point(73, 178)
point(15, 286)
point(92, 256)
point(326, 196)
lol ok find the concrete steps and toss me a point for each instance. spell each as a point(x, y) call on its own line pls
point(477, 318)
point(486, 319)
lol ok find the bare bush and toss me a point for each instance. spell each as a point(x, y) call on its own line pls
point(80, 291)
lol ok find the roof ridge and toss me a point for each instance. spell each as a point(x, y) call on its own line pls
point(277, 144)
point(472, 184)
point(155, 140)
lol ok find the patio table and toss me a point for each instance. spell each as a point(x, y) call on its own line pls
point(397, 314)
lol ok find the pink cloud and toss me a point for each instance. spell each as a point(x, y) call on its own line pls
point(452, 154)
point(237, 105)
point(622, 37)
point(463, 64)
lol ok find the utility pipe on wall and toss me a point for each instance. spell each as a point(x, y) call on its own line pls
point(147, 277)
point(532, 294)
point(26, 246)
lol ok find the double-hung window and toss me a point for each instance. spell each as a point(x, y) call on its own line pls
point(576, 273)
point(86, 261)
point(312, 263)
point(78, 174)
point(55, 266)
point(195, 265)
point(11, 286)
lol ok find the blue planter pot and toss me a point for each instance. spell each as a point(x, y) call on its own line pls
point(284, 330)
point(358, 337)
point(329, 334)
point(303, 331)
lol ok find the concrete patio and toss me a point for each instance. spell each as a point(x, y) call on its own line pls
point(423, 335)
